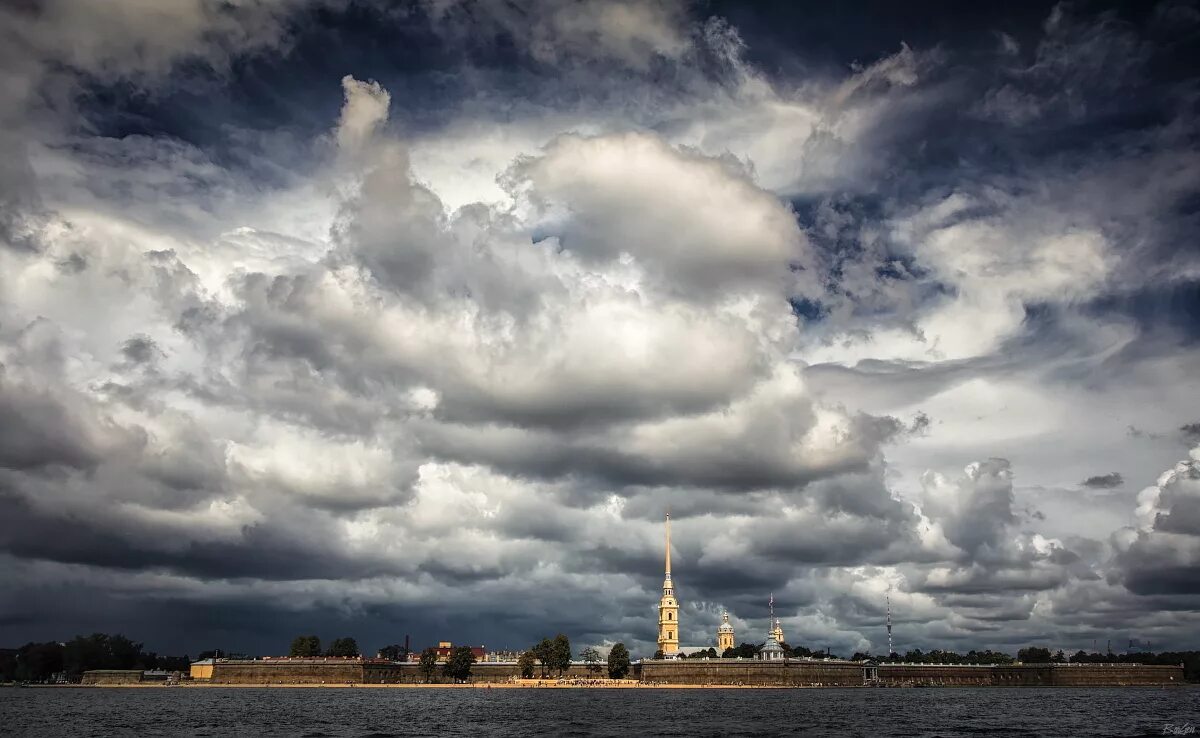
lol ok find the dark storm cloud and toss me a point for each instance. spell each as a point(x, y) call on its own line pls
point(141, 350)
point(265, 364)
point(1104, 481)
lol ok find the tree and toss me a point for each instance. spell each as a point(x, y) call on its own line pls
point(659, 655)
point(1034, 655)
point(1060, 657)
point(305, 646)
point(343, 647)
point(527, 662)
point(561, 654)
point(37, 661)
point(746, 650)
point(544, 651)
point(8, 665)
point(428, 663)
point(618, 661)
point(100, 651)
point(394, 652)
point(591, 657)
point(458, 666)
point(729, 653)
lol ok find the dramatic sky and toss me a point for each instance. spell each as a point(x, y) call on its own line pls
point(361, 319)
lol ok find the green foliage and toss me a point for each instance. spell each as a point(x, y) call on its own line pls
point(38, 662)
point(100, 651)
point(561, 654)
point(937, 656)
point(394, 652)
point(659, 655)
point(35, 662)
point(729, 653)
point(343, 647)
point(544, 651)
point(591, 657)
point(428, 663)
point(1034, 655)
point(8, 664)
point(458, 665)
point(305, 646)
point(746, 650)
point(618, 661)
point(527, 663)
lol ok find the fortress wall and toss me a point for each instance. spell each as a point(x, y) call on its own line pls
point(383, 673)
point(1023, 675)
point(349, 671)
point(1029, 675)
point(791, 673)
point(1114, 675)
point(112, 676)
point(898, 675)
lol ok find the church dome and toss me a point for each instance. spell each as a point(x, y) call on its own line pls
point(771, 650)
point(725, 627)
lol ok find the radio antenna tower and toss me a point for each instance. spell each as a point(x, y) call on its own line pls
point(889, 624)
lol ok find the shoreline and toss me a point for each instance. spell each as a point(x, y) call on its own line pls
point(551, 685)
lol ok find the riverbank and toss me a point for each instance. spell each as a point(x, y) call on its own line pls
point(523, 684)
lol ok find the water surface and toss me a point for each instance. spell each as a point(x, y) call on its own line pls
point(600, 712)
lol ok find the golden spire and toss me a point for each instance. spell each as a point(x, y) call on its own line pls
point(668, 545)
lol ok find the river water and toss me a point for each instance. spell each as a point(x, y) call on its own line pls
point(601, 712)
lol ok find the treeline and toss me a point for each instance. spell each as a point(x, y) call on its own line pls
point(40, 662)
point(1039, 655)
point(310, 645)
point(1030, 655)
point(553, 657)
point(748, 651)
point(937, 656)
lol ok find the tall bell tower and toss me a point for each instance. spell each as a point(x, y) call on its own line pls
point(668, 608)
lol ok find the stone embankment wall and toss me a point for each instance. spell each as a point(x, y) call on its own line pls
point(802, 673)
point(289, 671)
point(935, 675)
point(357, 671)
point(747, 672)
point(1086, 675)
point(716, 672)
point(112, 676)
point(387, 673)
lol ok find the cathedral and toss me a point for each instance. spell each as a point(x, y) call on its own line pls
point(668, 620)
point(668, 609)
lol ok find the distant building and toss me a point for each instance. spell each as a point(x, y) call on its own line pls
point(445, 648)
point(202, 669)
point(777, 632)
point(772, 651)
point(724, 634)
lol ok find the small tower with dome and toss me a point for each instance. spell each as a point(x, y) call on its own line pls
point(724, 634)
point(772, 650)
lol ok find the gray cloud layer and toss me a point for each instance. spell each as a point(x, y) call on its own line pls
point(448, 381)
